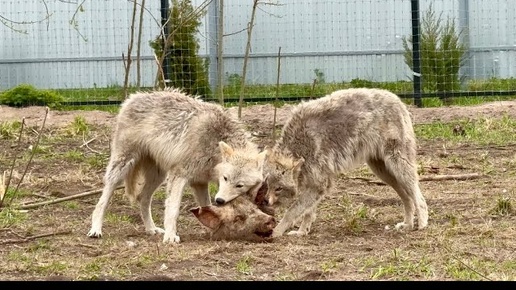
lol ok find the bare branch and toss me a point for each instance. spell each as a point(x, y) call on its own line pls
point(236, 32)
point(33, 151)
point(8, 182)
point(246, 57)
point(58, 200)
point(30, 238)
point(129, 51)
point(10, 23)
point(467, 176)
point(139, 44)
point(48, 14)
point(450, 252)
point(73, 22)
point(142, 6)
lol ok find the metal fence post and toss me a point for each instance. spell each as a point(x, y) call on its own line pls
point(416, 57)
point(213, 32)
point(164, 18)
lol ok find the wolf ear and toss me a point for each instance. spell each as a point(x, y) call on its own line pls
point(207, 216)
point(296, 165)
point(270, 152)
point(260, 159)
point(226, 150)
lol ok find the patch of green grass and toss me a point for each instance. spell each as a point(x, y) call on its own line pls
point(92, 270)
point(459, 271)
point(114, 92)
point(243, 265)
point(328, 266)
point(39, 245)
point(52, 268)
point(212, 189)
point(119, 218)
point(160, 194)
point(402, 269)
point(10, 217)
point(19, 256)
point(285, 277)
point(499, 131)
point(71, 204)
point(97, 161)
point(503, 207)
point(355, 216)
point(79, 126)
point(106, 108)
point(74, 155)
point(10, 130)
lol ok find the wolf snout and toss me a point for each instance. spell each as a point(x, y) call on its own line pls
point(220, 201)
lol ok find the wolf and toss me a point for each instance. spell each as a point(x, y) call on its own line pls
point(170, 135)
point(241, 218)
point(333, 134)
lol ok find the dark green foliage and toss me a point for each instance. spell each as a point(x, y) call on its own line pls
point(25, 95)
point(441, 53)
point(360, 83)
point(186, 69)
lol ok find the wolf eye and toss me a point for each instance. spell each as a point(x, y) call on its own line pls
point(239, 186)
point(225, 178)
point(283, 172)
point(278, 189)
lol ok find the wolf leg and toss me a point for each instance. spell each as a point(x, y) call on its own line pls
point(307, 197)
point(175, 187)
point(153, 178)
point(119, 167)
point(306, 221)
point(402, 177)
point(201, 193)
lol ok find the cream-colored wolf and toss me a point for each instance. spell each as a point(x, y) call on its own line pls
point(168, 133)
point(333, 134)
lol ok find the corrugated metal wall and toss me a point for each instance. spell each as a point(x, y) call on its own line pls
point(344, 39)
point(53, 54)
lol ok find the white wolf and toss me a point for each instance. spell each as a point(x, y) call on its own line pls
point(170, 133)
point(332, 134)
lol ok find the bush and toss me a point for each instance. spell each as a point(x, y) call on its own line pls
point(441, 53)
point(25, 95)
point(186, 69)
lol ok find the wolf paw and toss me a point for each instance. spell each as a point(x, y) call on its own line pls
point(171, 239)
point(155, 231)
point(403, 227)
point(297, 233)
point(95, 233)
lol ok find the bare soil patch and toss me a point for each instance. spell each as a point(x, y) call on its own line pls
point(465, 240)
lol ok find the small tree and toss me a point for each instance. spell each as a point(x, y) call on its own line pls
point(441, 53)
point(185, 69)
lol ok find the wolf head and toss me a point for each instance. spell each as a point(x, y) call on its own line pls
point(238, 219)
point(239, 173)
point(283, 173)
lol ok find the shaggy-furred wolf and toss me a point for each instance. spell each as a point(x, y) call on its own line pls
point(170, 134)
point(333, 134)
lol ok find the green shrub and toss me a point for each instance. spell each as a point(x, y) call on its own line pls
point(25, 95)
point(441, 53)
point(186, 69)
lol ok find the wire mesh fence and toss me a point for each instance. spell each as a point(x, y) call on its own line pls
point(259, 50)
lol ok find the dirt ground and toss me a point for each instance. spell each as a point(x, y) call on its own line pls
point(465, 239)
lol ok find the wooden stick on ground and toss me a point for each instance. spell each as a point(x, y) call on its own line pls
point(30, 238)
point(58, 200)
point(466, 176)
